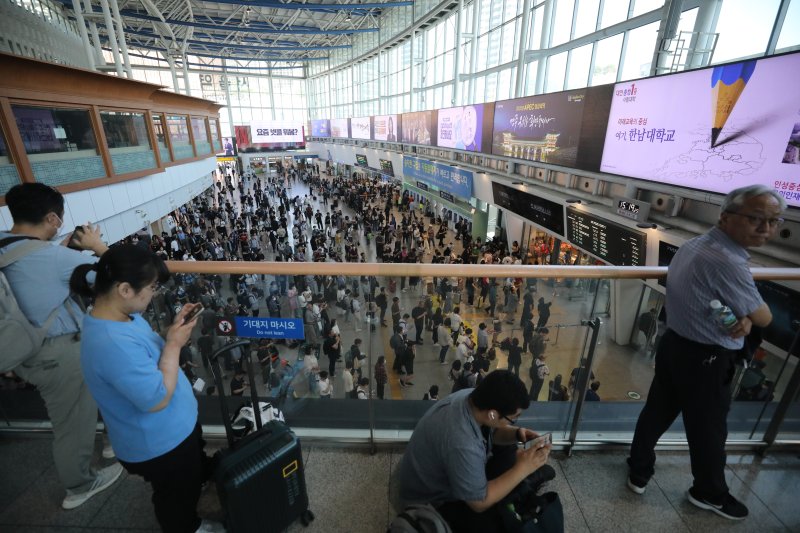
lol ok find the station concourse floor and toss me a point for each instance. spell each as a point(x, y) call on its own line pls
point(350, 491)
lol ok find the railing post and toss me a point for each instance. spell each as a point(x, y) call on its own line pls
point(582, 381)
point(789, 394)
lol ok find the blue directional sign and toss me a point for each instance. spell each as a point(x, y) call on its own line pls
point(269, 328)
point(456, 181)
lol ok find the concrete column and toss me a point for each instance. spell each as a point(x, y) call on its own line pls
point(112, 36)
point(187, 85)
point(98, 51)
point(623, 311)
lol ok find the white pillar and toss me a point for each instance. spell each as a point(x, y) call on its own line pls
point(228, 97)
point(547, 24)
point(457, 59)
point(523, 46)
point(112, 36)
point(76, 7)
point(473, 52)
point(121, 38)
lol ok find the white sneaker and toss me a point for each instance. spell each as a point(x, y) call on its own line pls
point(108, 452)
point(105, 478)
point(209, 526)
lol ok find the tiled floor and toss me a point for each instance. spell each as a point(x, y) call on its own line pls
point(351, 491)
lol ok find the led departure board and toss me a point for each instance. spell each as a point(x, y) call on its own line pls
point(606, 240)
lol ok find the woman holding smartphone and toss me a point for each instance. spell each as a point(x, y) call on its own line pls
point(133, 374)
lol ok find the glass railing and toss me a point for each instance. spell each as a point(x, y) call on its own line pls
point(590, 328)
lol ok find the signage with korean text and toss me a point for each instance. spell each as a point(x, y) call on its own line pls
point(269, 327)
point(456, 181)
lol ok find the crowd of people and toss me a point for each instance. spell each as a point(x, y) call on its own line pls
point(352, 219)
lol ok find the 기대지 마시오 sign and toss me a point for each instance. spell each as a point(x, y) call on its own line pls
point(269, 327)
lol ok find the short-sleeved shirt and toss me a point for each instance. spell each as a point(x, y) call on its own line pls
point(120, 365)
point(709, 267)
point(40, 282)
point(445, 460)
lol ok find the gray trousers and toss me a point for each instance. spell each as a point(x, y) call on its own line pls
point(56, 373)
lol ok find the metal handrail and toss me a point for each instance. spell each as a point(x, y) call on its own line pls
point(438, 270)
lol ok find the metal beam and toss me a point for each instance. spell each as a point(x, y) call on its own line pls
point(245, 46)
point(317, 7)
point(252, 28)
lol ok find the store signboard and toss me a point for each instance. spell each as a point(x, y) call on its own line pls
point(714, 129)
point(540, 211)
point(454, 180)
point(385, 127)
point(361, 128)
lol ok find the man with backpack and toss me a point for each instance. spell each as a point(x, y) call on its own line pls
point(462, 457)
point(41, 326)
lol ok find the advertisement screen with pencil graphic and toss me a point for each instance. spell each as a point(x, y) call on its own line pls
point(712, 129)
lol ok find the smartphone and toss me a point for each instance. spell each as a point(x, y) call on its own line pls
point(540, 441)
point(71, 243)
point(193, 313)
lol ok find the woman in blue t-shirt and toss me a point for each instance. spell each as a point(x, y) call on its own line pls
point(133, 374)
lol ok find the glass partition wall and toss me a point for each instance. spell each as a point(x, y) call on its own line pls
point(449, 319)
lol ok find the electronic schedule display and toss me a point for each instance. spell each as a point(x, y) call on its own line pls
point(606, 240)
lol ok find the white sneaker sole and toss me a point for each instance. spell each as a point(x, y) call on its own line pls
point(634, 488)
point(712, 508)
point(86, 496)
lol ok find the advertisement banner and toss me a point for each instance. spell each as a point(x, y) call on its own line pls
point(361, 128)
point(541, 211)
point(340, 128)
point(450, 179)
point(385, 127)
point(244, 144)
point(419, 128)
point(542, 128)
point(271, 131)
point(320, 128)
point(460, 128)
point(715, 129)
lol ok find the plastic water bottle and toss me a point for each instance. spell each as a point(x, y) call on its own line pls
point(722, 315)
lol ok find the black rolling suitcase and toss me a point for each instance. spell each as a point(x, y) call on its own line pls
point(260, 478)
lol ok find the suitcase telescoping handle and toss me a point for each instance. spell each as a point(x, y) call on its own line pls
point(217, 372)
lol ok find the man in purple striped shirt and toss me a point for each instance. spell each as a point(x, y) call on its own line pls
point(695, 361)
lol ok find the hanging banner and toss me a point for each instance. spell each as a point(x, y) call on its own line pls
point(445, 177)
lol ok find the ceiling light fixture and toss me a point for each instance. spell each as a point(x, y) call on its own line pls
point(573, 201)
point(517, 183)
point(646, 225)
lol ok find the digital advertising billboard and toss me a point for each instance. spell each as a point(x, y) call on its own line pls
point(385, 128)
point(244, 143)
point(714, 129)
point(465, 128)
point(321, 128)
point(272, 132)
point(361, 128)
point(340, 128)
point(542, 128)
point(419, 128)
point(361, 161)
